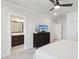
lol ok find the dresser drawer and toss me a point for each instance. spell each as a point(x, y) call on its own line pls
point(41, 39)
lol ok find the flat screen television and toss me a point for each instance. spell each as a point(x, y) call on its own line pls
point(43, 28)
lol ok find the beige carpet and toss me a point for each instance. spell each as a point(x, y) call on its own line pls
point(26, 54)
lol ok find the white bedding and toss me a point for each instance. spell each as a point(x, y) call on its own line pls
point(63, 49)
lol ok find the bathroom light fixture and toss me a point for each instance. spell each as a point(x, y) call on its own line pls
point(19, 20)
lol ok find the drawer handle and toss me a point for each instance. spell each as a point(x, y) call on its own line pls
point(16, 39)
point(16, 42)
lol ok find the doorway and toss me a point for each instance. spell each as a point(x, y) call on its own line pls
point(17, 34)
point(59, 31)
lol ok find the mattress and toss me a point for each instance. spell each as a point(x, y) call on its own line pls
point(63, 49)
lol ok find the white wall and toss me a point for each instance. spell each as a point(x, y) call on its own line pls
point(5, 33)
point(71, 26)
point(31, 20)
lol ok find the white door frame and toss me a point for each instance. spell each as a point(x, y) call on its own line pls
point(24, 28)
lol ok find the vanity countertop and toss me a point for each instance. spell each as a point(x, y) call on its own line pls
point(13, 34)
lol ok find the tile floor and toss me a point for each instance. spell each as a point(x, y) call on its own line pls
point(21, 53)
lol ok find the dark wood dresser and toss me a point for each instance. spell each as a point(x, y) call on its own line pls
point(41, 39)
point(17, 40)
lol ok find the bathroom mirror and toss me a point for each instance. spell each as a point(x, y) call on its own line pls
point(16, 24)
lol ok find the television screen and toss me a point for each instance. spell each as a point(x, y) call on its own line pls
point(43, 28)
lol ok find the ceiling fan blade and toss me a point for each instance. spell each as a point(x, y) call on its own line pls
point(66, 5)
point(52, 1)
point(52, 9)
point(57, 1)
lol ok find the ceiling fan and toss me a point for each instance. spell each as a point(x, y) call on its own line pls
point(57, 4)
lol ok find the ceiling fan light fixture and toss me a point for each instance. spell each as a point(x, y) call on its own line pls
point(57, 7)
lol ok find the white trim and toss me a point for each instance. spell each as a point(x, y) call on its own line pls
point(10, 13)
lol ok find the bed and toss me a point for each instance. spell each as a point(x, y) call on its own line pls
point(63, 49)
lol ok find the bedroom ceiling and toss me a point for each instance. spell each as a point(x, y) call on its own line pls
point(43, 6)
